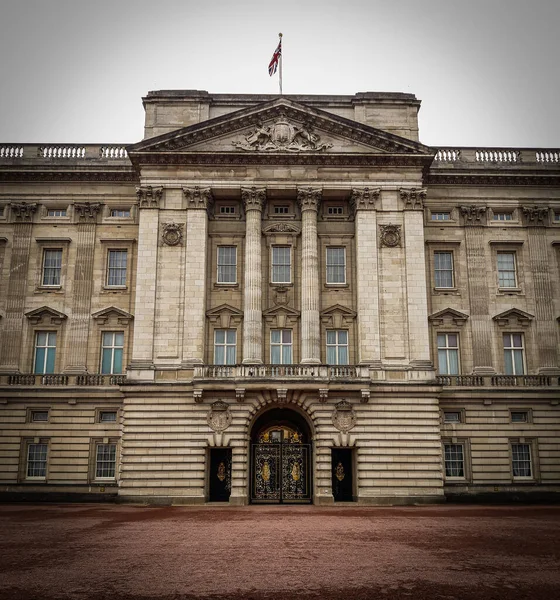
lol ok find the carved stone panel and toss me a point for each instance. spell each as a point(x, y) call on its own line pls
point(219, 416)
point(390, 236)
point(343, 416)
point(172, 234)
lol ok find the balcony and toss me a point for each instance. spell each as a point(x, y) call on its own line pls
point(289, 372)
point(498, 380)
point(61, 380)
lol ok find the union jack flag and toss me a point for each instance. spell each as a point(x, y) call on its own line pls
point(273, 66)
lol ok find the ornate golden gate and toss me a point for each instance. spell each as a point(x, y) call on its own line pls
point(281, 467)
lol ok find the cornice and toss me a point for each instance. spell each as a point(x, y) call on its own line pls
point(128, 176)
point(485, 179)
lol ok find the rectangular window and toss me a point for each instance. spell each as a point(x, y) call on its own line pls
point(451, 417)
point(521, 460)
point(503, 216)
point(227, 264)
point(441, 216)
point(36, 460)
point(105, 461)
point(56, 212)
point(45, 352)
point(116, 268)
point(112, 343)
point(514, 354)
point(225, 346)
point(443, 269)
point(337, 347)
point(52, 267)
point(281, 346)
point(454, 460)
point(108, 416)
point(506, 270)
point(556, 217)
point(519, 416)
point(281, 264)
point(227, 210)
point(448, 353)
point(281, 209)
point(39, 416)
point(336, 265)
point(117, 212)
point(335, 210)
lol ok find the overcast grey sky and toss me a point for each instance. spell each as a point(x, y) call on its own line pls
point(486, 70)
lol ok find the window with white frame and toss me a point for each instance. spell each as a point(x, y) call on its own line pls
point(521, 460)
point(441, 216)
point(336, 265)
point(502, 216)
point(337, 346)
point(281, 264)
point(45, 352)
point(116, 268)
point(56, 212)
point(448, 353)
point(281, 346)
point(514, 354)
point(454, 457)
point(227, 210)
point(443, 269)
point(281, 209)
point(120, 213)
point(105, 461)
point(52, 267)
point(36, 464)
point(112, 345)
point(227, 264)
point(225, 346)
point(507, 277)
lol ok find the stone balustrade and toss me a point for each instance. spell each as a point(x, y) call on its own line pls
point(281, 372)
point(491, 157)
point(60, 379)
point(498, 380)
point(64, 152)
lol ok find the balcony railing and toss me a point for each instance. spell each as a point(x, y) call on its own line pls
point(492, 157)
point(281, 372)
point(63, 152)
point(60, 379)
point(498, 380)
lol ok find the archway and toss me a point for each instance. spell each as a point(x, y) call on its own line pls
point(281, 458)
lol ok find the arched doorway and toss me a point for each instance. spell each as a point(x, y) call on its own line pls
point(280, 458)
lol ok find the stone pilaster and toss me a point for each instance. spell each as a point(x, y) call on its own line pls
point(198, 201)
point(142, 365)
point(253, 200)
point(17, 286)
point(546, 326)
point(82, 287)
point(477, 267)
point(367, 275)
point(416, 285)
point(309, 200)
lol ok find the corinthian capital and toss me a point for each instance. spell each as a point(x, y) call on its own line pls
point(364, 198)
point(253, 198)
point(23, 211)
point(535, 216)
point(149, 197)
point(198, 198)
point(309, 198)
point(87, 211)
point(473, 214)
point(413, 198)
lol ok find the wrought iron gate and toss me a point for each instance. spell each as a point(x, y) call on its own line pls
point(281, 472)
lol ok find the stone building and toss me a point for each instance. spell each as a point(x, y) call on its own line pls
point(279, 299)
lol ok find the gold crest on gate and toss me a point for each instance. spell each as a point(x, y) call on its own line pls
point(221, 471)
point(296, 473)
point(266, 471)
point(339, 472)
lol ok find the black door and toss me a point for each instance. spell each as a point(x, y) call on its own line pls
point(342, 474)
point(220, 475)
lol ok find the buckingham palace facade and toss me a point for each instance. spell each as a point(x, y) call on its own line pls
point(279, 299)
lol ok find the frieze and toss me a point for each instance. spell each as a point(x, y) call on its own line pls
point(198, 198)
point(23, 211)
point(87, 211)
point(473, 214)
point(413, 198)
point(309, 198)
point(390, 236)
point(148, 196)
point(535, 215)
point(73, 176)
point(364, 199)
point(482, 179)
point(253, 198)
point(172, 234)
point(343, 416)
point(219, 416)
point(282, 135)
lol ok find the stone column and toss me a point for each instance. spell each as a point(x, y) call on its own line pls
point(477, 268)
point(82, 287)
point(416, 286)
point(546, 325)
point(142, 363)
point(309, 200)
point(367, 277)
point(17, 286)
point(198, 201)
point(253, 200)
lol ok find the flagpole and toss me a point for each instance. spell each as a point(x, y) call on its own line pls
point(280, 65)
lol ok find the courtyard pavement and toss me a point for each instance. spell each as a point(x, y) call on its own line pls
point(102, 552)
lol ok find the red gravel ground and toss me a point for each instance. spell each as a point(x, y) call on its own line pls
point(102, 552)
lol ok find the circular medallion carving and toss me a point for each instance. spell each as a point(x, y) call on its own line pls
point(172, 234)
point(390, 235)
point(343, 416)
point(219, 416)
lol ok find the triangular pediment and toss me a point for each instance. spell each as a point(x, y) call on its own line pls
point(449, 314)
point(45, 314)
point(337, 316)
point(225, 316)
point(218, 310)
point(513, 314)
point(280, 127)
point(279, 309)
point(112, 312)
